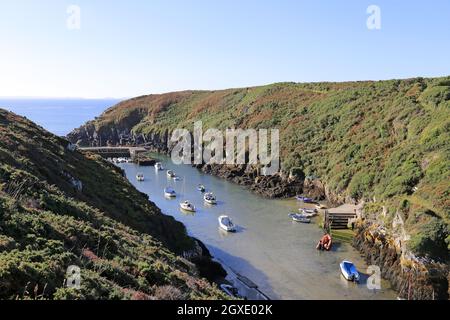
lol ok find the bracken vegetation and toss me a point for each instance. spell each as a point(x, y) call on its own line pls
point(60, 208)
point(386, 141)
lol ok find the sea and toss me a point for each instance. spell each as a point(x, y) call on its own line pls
point(59, 116)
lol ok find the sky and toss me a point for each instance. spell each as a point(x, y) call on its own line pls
point(129, 48)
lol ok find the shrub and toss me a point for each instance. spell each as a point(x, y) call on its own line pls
point(430, 239)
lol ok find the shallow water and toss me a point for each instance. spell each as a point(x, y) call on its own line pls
point(275, 253)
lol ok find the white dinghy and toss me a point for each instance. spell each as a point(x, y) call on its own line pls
point(226, 224)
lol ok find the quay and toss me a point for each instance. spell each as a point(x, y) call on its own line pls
point(116, 152)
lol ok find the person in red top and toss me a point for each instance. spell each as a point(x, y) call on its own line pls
point(324, 243)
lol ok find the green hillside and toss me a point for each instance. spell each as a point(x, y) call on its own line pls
point(385, 140)
point(60, 208)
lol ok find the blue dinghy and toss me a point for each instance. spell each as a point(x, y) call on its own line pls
point(349, 271)
point(304, 199)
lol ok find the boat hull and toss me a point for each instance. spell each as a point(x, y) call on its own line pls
point(170, 195)
point(186, 207)
point(226, 227)
point(299, 218)
point(349, 271)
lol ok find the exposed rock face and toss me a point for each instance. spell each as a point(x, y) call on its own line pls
point(202, 258)
point(314, 188)
point(89, 136)
point(275, 186)
point(413, 278)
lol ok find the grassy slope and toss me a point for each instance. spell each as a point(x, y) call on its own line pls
point(363, 139)
point(125, 247)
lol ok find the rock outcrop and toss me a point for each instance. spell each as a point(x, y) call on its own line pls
point(414, 278)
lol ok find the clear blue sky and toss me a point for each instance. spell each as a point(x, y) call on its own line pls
point(134, 47)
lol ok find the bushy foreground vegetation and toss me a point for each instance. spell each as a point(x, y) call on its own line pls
point(125, 247)
point(386, 141)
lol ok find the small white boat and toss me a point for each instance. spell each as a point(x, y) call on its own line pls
point(140, 177)
point(169, 192)
point(226, 224)
point(201, 188)
point(349, 271)
point(187, 205)
point(159, 166)
point(309, 213)
point(306, 210)
point(170, 173)
point(320, 206)
point(299, 218)
point(176, 178)
point(210, 198)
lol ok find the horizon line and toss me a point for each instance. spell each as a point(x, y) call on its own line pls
point(216, 89)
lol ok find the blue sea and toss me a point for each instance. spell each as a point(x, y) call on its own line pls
point(59, 116)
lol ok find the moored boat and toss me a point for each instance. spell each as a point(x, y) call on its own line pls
point(169, 192)
point(210, 198)
point(308, 212)
point(226, 224)
point(170, 173)
point(140, 177)
point(187, 205)
point(349, 271)
point(304, 199)
point(201, 188)
point(299, 218)
point(159, 166)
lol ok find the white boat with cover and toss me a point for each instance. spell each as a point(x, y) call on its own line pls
point(187, 206)
point(210, 198)
point(226, 224)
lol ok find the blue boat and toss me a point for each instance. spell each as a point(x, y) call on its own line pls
point(349, 271)
point(304, 199)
